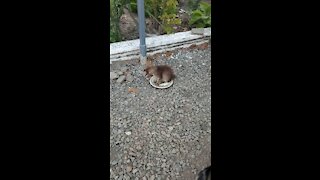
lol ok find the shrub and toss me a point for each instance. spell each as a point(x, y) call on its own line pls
point(116, 10)
point(162, 12)
point(201, 17)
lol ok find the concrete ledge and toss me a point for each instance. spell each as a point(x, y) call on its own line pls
point(127, 50)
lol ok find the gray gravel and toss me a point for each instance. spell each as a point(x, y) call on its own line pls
point(162, 133)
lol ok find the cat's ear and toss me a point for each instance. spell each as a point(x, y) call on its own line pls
point(149, 62)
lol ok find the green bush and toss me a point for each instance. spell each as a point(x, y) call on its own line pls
point(192, 4)
point(116, 10)
point(162, 12)
point(168, 15)
point(201, 17)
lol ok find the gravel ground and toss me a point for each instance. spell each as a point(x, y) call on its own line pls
point(162, 133)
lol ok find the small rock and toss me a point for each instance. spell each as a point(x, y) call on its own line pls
point(126, 177)
point(124, 69)
point(134, 171)
point(128, 133)
point(113, 75)
point(132, 154)
point(163, 165)
point(121, 79)
point(119, 72)
point(177, 168)
point(121, 177)
point(170, 128)
point(144, 178)
point(138, 147)
point(149, 164)
point(152, 177)
point(194, 171)
point(198, 147)
point(129, 168)
point(129, 78)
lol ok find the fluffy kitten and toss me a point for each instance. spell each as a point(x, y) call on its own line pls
point(163, 73)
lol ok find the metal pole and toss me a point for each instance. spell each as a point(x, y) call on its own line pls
point(142, 33)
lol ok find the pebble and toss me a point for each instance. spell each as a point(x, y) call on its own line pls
point(113, 75)
point(120, 177)
point(152, 177)
point(163, 165)
point(149, 164)
point(138, 147)
point(124, 69)
point(129, 168)
point(121, 79)
point(126, 177)
point(119, 72)
point(129, 78)
point(128, 133)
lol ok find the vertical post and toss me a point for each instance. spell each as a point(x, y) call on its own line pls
point(142, 35)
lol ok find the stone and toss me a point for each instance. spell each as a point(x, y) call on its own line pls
point(126, 177)
point(129, 78)
point(152, 177)
point(139, 147)
point(119, 72)
point(113, 75)
point(129, 168)
point(134, 171)
point(124, 69)
point(163, 165)
point(121, 79)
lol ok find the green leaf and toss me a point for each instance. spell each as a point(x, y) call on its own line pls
point(168, 29)
point(205, 8)
point(208, 21)
point(196, 13)
point(195, 16)
point(200, 25)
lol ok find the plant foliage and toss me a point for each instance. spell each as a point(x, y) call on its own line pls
point(201, 17)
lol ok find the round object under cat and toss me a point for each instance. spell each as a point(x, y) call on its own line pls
point(162, 85)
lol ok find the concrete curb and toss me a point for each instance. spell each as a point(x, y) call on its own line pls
point(126, 50)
